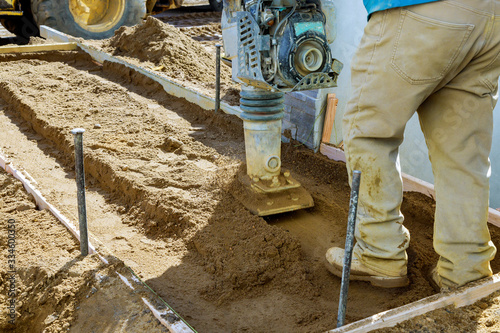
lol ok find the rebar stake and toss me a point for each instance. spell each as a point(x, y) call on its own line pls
point(349, 244)
point(217, 78)
point(80, 186)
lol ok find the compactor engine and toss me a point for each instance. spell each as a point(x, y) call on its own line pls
point(280, 44)
point(274, 46)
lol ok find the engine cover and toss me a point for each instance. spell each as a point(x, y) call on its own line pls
point(303, 48)
point(282, 48)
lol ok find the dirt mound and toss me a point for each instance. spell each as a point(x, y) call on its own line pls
point(168, 49)
point(244, 252)
point(202, 32)
point(39, 41)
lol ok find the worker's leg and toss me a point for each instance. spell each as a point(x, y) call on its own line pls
point(457, 122)
point(373, 127)
point(458, 128)
point(403, 57)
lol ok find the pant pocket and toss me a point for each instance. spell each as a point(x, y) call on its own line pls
point(492, 73)
point(426, 48)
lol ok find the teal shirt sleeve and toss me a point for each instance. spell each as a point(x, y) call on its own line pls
point(376, 5)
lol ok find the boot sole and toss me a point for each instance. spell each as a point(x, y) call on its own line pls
point(432, 281)
point(377, 281)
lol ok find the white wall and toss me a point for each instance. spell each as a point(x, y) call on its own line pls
point(351, 19)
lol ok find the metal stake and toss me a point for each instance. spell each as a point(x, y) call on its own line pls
point(349, 244)
point(80, 185)
point(217, 78)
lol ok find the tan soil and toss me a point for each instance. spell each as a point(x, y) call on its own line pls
point(55, 288)
point(39, 41)
point(168, 50)
point(197, 23)
point(32, 41)
point(211, 31)
point(166, 170)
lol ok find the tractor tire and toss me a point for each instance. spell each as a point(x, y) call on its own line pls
point(23, 26)
point(216, 5)
point(75, 18)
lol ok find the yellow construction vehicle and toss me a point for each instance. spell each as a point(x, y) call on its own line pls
point(91, 19)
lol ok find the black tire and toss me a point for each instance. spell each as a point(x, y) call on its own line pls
point(24, 26)
point(20, 26)
point(56, 14)
point(216, 5)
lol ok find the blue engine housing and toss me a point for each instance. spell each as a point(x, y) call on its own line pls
point(303, 27)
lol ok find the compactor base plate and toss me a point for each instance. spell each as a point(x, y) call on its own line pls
point(270, 203)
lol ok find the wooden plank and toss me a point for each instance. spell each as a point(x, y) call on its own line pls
point(39, 48)
point(414, 184)
point(410, 183)
point(332, 153)
point(463, 296)
point(494, 217)
point(40, 199)
point(331, 110)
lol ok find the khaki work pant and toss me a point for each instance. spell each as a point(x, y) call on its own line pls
point(442, 60)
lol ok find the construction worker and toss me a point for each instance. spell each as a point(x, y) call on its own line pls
point(442, 60)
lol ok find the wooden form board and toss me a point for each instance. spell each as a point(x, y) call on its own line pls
point(40, 200)
point(461, 297)
point(39, 48)
point(331, 110)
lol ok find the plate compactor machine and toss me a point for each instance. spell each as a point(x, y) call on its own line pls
point(275, 46)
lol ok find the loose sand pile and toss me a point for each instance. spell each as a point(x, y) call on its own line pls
point(202, 32)
point(165, 47)
point(39, 41)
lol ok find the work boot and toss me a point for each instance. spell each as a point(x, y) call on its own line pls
point(439, 283)
point(359, 272)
